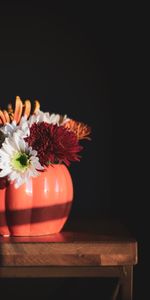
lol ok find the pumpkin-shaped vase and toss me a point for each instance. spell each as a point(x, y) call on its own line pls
point(40, 207)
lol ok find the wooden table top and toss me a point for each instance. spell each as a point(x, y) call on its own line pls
point(86, 243)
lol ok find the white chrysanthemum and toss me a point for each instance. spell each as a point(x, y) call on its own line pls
point(22, 129)
point(9, 128)
point(48, 118)
point(18, 161)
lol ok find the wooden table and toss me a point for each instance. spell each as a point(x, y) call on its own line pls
point(87, 249)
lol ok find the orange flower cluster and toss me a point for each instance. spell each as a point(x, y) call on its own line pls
point(81, 130)
point(9, 115)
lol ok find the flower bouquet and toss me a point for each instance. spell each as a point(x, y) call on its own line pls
point(36, 148)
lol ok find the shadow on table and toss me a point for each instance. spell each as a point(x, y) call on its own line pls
point(68, 288)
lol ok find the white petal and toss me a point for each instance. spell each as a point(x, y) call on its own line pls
point(22, 145)
point(18, 182)
point(33, 152)
point(35, 173)
point(4, 164)
point(3, 153)
point(5, 172)
point(14, 123)
point(7, 148)
point(38, 166)
point(16, 141)
point(13, 175)
point(65, 120)
point(11, 143)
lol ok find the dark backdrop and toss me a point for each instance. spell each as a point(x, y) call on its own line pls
point(67, 57)
point(62, 57)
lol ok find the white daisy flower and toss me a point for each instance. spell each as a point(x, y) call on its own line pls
point(9, 128)
point(54, 119)
point(22, 129)
point(18, 161)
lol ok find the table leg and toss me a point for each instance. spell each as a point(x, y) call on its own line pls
point(127, 283)
point(116, 291)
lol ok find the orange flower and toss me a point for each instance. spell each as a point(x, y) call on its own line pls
point(81, 130)
point(9, 115)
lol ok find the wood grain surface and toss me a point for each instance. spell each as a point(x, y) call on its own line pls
point(97, 243)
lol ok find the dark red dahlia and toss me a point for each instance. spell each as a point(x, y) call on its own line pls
point(54, 144)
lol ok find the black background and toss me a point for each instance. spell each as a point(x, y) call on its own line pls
point(62, 59)
point(69, 57)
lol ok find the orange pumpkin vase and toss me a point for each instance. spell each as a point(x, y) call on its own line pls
point(40, 207)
